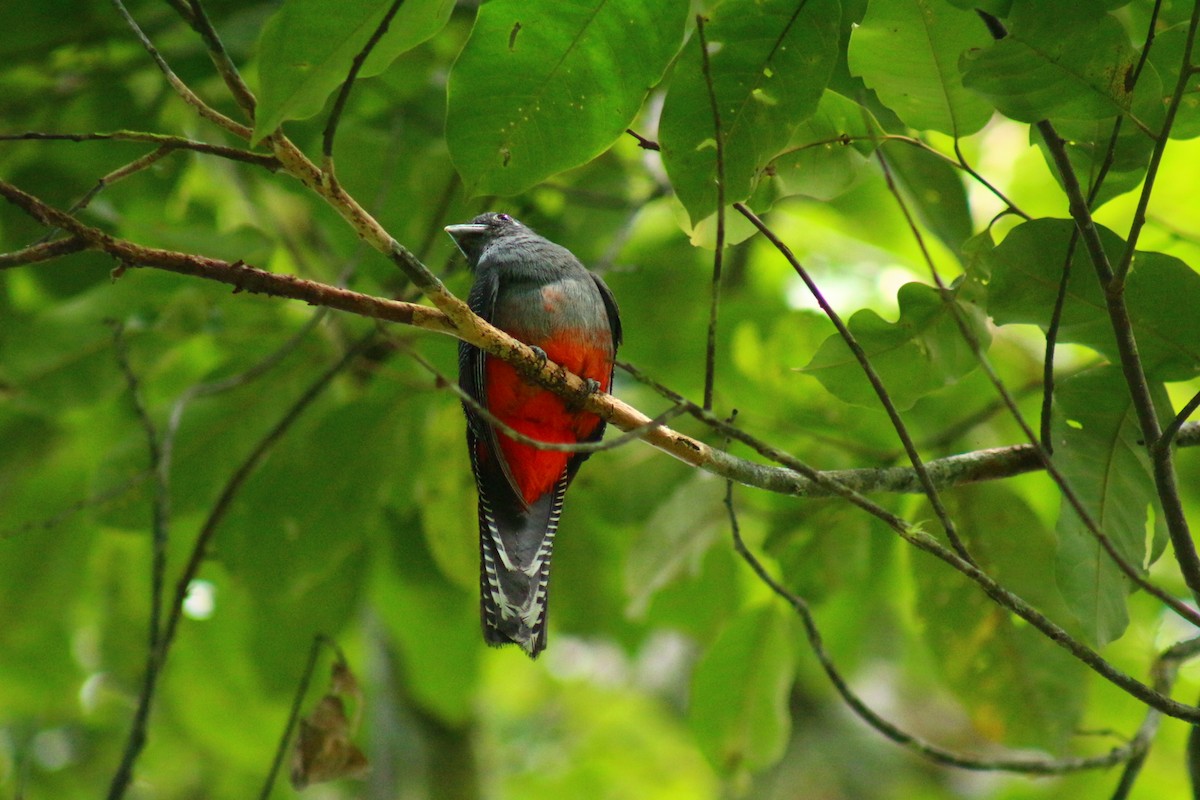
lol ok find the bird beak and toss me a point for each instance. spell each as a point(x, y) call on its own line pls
point(464, 230)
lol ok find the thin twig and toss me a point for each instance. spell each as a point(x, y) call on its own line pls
point(264, 160)
point(864, 362)
point(161, 513)
point(1128, 569)
point(1163, 465)
point(335, 116)
point(1060, 303)
point(1160, 146)
point(1131, 365)
point(132, 168)
point(45, 251)
point(197, 18)
point(297, 704)
point(948, 302)
point(181, 88)
point(710, 357)
point(1097, 183)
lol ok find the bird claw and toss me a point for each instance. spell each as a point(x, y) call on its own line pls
point(590, 386)
point(540, 355)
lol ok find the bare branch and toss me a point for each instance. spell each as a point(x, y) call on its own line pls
point(264, 160)
point(193, 13)
point(45, 251)
point(181, 88)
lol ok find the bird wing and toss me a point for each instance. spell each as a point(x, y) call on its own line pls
point(472, 372)
point(610, 305)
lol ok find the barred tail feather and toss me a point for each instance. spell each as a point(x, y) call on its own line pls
point(515, 546)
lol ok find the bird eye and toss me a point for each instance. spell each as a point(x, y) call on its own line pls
point(503, 218)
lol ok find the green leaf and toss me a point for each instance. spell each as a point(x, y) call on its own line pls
point(1096, 448)
point(1166, 57)
point(1088, 144)
point(543, 86)
point(1037, 72)
point(675, 539)
point(825, 156)
point(935, 191)
point(1019, 687)
point(770, 62)
point(1161, 293)
point(419, 606)
point(921, 352)
point(306, 50)
point(739, 704)
point(908, 52)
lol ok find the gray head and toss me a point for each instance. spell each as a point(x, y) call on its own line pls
point(474, 237)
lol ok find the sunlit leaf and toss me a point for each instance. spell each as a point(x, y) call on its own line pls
point(1036, 72)
point(908, 52)
point(919, 353)
point(738, 707)
point(1096, 447)
point(1160, 294)
point(306, 51)
point(1018, 687)
point(770, 62)
point(825, 156)
point(543, 86)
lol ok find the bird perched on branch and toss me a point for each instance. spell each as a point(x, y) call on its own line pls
point(539, 293)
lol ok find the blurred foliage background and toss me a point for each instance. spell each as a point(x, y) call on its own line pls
point(672, 671)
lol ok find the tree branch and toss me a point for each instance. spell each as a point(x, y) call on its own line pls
point(182, 89)
point(264, 160)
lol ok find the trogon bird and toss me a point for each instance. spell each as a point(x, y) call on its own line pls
point(539, 293)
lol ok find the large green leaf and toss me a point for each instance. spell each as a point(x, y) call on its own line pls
point(921, 352)
point(935, 191)
point(675, 539)
point(908, 52)
point(1166, 57)
point(307, 48)
point(739, 708)
point(1038, 72)
point(825, 156)
point(418, 605)
point(1019, 687)
point(1161, 293)
point(544, 85)
point(1096, 447)
point(770, 62)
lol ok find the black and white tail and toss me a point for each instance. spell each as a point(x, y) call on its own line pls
point(515, 545)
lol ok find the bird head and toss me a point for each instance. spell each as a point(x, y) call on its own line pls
point(473, 237)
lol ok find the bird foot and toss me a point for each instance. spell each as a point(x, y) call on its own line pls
point(540, 354)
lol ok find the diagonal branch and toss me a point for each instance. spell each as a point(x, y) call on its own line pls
point(181, 88)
